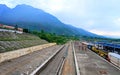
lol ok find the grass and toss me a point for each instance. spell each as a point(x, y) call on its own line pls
point(12, 41)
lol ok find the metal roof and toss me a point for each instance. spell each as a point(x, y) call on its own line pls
point(108, 44)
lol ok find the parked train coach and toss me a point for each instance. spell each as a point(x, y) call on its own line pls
point(109, 51)
point(114, 58)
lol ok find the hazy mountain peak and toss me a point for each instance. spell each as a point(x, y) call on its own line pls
point(23, 6)
point(28, 7)
point(4, 9)
point(3, 5)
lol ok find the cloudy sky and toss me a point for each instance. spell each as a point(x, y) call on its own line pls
point(97, 16)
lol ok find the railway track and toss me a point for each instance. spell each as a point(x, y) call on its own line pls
point(54, 64)
point(49, 61)
point(24, 65)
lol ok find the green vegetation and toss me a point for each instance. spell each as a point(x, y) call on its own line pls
point(25, 30)
point(52, 37)
point(9, 36)
point(12, 41)
point(96, 39)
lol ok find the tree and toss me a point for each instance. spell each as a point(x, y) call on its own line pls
point(42, 31)
point(25, 30)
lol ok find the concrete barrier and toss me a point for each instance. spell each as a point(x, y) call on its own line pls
point(20, 52)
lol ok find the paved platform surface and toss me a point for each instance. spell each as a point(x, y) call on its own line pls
point(24, 65)
point(91, 64)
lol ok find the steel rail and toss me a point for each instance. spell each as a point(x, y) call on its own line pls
point(43, 65)
point(59, 70)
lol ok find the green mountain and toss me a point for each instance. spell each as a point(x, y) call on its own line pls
point(36, 19)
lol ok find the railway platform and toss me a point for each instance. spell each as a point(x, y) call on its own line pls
point(90, 63)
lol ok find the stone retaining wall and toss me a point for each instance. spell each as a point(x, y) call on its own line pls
point(17, 53)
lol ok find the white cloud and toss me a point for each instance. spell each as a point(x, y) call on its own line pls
point(52, 5)
point(7, 2)
point(90, 22)
point(106, 33)
point(86, 14)
point(117, 21)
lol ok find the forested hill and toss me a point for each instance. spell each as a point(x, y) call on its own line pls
point(36, 19)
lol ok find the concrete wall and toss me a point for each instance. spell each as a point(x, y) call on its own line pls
point(24, 51)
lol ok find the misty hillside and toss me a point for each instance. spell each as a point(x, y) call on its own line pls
point(35, 19)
